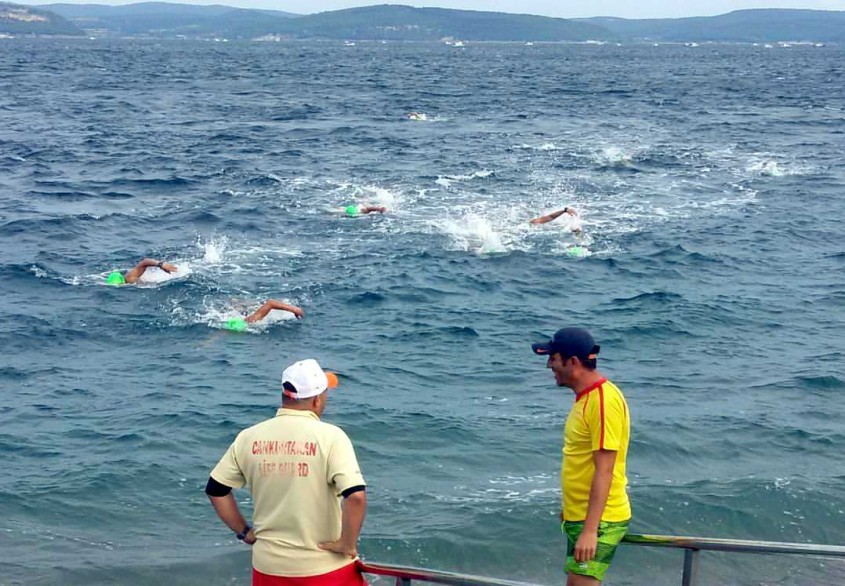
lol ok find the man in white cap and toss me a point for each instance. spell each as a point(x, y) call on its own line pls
point(298, 470)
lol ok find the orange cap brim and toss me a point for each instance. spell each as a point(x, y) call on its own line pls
point(332, 379)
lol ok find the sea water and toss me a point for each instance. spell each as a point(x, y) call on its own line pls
point(709, 181)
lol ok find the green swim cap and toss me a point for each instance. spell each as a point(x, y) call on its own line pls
point(576, 251)
point(236, 324)
point(352, 211)
point(115, 278)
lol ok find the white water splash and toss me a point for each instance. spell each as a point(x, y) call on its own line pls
point(614, 157)
point(213, 250)
point(447, 180)
point(473, 234)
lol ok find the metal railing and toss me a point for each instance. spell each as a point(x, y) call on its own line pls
point(692, 547)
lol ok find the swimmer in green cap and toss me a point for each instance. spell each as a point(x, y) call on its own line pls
point(239, 324)
point(115, 278)
point(353, 210)
point(236, 324)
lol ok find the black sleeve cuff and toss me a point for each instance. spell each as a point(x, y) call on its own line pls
point(352, 490)
point(214, 488)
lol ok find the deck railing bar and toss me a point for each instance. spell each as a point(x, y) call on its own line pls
point(736, 545)
point(692, 545)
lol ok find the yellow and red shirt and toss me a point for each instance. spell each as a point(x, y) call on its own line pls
point(296, 467)
point(598, 420)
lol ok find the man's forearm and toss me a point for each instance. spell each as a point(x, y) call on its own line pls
point(599, 488)
point(354, 511)
point(228, 511)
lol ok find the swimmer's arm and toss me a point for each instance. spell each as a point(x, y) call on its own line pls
point(370, 209)
point(554, 216)
point(272, 304)
point(135, 274)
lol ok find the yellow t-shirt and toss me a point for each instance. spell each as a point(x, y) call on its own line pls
point(599, 420)
point(296, 468)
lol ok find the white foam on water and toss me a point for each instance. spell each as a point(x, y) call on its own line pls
point(614, 156)
point(213, 250)
point(473, 233)
point(345, 193)
point(545, 147)
point(447, 180)
point(767, 168)
point(39, 272)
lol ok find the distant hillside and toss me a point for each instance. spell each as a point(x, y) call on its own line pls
point(393, 22)
point(162, 19)
point(385, 22)
point(405, 23)
point(16, 19)
point(768, 25)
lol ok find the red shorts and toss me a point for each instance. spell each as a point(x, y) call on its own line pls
point(346, 576)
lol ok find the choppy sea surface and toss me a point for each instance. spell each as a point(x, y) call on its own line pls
point(710, 182)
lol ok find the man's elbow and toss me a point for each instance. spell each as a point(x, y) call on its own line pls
point(357, 499)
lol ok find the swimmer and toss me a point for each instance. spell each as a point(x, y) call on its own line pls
point(269, 306)
point(416, 116)
point(575, 223)
point(354, 210)
point(117, 278)
point(239, 324)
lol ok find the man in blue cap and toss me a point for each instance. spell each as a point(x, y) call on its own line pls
point(595, 510)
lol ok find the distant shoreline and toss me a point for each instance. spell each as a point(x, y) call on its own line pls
point(397, 23)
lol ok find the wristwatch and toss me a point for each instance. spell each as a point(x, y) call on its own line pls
point(242, 535)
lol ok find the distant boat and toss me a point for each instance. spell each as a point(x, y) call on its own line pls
point(348, 44)
point(529, 44)
point(458, 44)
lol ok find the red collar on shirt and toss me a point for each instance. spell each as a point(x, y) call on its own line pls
point(592, 387)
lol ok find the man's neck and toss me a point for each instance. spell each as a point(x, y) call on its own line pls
point(295, 407)
point(589, 379)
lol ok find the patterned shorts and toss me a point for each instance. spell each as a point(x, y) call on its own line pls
point(609, 536)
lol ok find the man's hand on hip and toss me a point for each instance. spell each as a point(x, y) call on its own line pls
point(339, 547)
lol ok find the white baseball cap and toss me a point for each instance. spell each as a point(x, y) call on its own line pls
point(307, 379)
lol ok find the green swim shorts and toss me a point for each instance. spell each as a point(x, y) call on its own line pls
point(609, 536)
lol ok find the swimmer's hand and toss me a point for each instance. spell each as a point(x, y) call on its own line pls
point(167, 267)
point(297, 311)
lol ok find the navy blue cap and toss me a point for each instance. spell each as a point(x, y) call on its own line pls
point(569, 342)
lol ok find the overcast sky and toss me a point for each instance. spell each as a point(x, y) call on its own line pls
point(558, 8)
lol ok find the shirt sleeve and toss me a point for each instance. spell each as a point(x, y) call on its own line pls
point(227, 471)
point(342, 470)
point(606, 419)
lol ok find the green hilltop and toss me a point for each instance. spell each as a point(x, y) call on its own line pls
point(748, 26)
point(406, 23)
point(16, 19)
